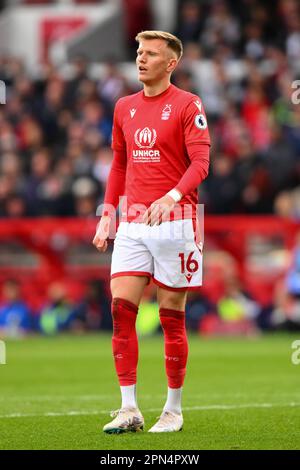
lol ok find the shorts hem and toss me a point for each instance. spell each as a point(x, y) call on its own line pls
point(132, 273)
point(176, 289)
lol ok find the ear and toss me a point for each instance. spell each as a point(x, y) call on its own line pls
point(172, 65)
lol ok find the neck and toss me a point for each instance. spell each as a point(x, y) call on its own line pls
point(153, 89)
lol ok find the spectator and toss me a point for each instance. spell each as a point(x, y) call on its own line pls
point(93, 312)
point(112, 86)
point(220, 27)
point(198, 306)
point(221, 185)
point(14, 314)
point(190, 22)
point(102, 165)
point(236, 305)
point(293, 275)
point(57, 314)
point(286, 310)
point(85, 191)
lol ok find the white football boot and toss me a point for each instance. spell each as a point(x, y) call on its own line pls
point(168, 422)
point(126, 420)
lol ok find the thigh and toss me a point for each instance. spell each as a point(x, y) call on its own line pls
point(129, 288)
point(130, 257)
point(177, 256)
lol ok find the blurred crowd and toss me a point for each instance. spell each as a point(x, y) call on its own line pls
point(254, 52)
point(233, 312)
point(57, 313)
point(241, 57)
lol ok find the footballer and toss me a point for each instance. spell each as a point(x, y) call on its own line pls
point(160, 156)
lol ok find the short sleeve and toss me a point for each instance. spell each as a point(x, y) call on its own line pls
point(118, 142)
point(195, 124)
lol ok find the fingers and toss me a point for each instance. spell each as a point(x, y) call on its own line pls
point(150, 214)
point(101, 245)
point(153, 215)
point(102, 233)
point(160, 219)
point(146, 216)
point(157, 216)
point(104, 247)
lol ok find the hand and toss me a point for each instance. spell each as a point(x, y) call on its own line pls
point(159, 211)
point(102, 233)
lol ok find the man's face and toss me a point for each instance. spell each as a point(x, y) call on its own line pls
point(155, 60)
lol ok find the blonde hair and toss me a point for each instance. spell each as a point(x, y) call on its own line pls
point(172, 41)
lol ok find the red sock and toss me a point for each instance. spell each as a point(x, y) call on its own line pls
point(176, 345)
point(124, 340)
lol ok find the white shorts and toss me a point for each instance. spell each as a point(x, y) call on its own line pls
point(170, 253)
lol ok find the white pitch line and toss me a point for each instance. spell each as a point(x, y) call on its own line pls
point(68, 397)
point(57, 398)
point(188, 408)
point(236, 407)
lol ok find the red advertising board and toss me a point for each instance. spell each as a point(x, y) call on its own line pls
point(52, 29)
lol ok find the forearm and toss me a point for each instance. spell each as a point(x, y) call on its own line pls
point(197, 171)
point(115, 186)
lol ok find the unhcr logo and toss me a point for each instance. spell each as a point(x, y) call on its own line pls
point(145, 138)
point(2, 92)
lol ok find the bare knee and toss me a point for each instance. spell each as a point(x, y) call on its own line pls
point(174, 300)
point(128, 288)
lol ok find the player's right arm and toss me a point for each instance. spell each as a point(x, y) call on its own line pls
point(115, 184)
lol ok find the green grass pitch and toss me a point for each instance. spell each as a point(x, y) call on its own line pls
point(56, 393)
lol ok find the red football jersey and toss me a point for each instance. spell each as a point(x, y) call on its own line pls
point(158, 134)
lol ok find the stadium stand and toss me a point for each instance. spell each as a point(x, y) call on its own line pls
point(241, 57)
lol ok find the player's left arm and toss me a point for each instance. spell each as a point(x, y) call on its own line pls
point(197, 142)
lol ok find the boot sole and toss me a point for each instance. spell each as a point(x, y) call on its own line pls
point(123, 430)
point(161, 432)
